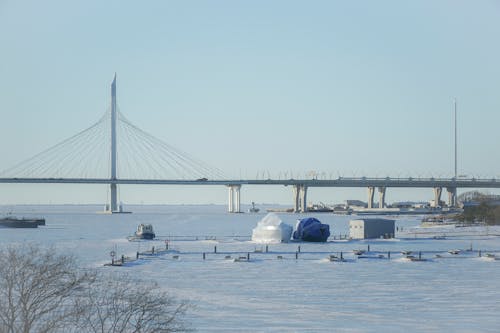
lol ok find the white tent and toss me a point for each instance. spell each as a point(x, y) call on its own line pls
point(271, 230)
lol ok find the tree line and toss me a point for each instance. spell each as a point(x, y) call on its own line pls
point(44, 291)
point(484, 212)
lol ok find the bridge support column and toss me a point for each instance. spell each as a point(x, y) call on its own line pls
point(234, 199)
point(381, 197)
point(437, 196)
point(114, 198)
point(296, 198)
point(370, 196)
point(237, 206)
point(230, 205)
point(452, 196)
point(299, 198)
point(303, 198)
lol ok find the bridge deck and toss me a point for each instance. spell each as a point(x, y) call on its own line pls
point(340, 182)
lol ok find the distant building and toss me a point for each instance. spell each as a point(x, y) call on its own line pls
point(410, 204)
point(371, 228)
point(356, 204)
point(471, 204)
point(469, 200)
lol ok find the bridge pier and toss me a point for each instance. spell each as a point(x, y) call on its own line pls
point(300, 198)
point(234, 199)
point(452, 196)
point(303, 198)
point(437, 196)
point(381, 197)
point(371, 190)
point(114, 198)
point(296, 198)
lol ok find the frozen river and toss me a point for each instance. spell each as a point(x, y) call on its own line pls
point(302, 292)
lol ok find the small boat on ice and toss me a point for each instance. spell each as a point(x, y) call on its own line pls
point(358, 252)
point(144, 231)
point(253, 209)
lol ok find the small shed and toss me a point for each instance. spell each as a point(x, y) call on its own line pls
point(371, 228)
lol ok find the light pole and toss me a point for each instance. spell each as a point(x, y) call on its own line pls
point(455, 117)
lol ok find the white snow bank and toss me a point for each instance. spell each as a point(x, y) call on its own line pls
point(271, 230)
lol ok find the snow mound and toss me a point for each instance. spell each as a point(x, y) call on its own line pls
point(271, 230)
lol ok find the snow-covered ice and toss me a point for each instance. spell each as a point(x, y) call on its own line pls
point(291, 287)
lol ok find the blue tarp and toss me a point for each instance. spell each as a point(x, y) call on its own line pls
point(311, 230)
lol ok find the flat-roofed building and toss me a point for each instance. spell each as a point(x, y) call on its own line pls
point(371, 228)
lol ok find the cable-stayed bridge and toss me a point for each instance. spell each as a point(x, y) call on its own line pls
point(114, 151)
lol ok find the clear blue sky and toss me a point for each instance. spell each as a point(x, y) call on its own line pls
point(339, 87)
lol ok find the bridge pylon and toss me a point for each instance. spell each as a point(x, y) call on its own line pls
point(113, 205)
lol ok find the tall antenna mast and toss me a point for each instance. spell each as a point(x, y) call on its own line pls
point(455, 116)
